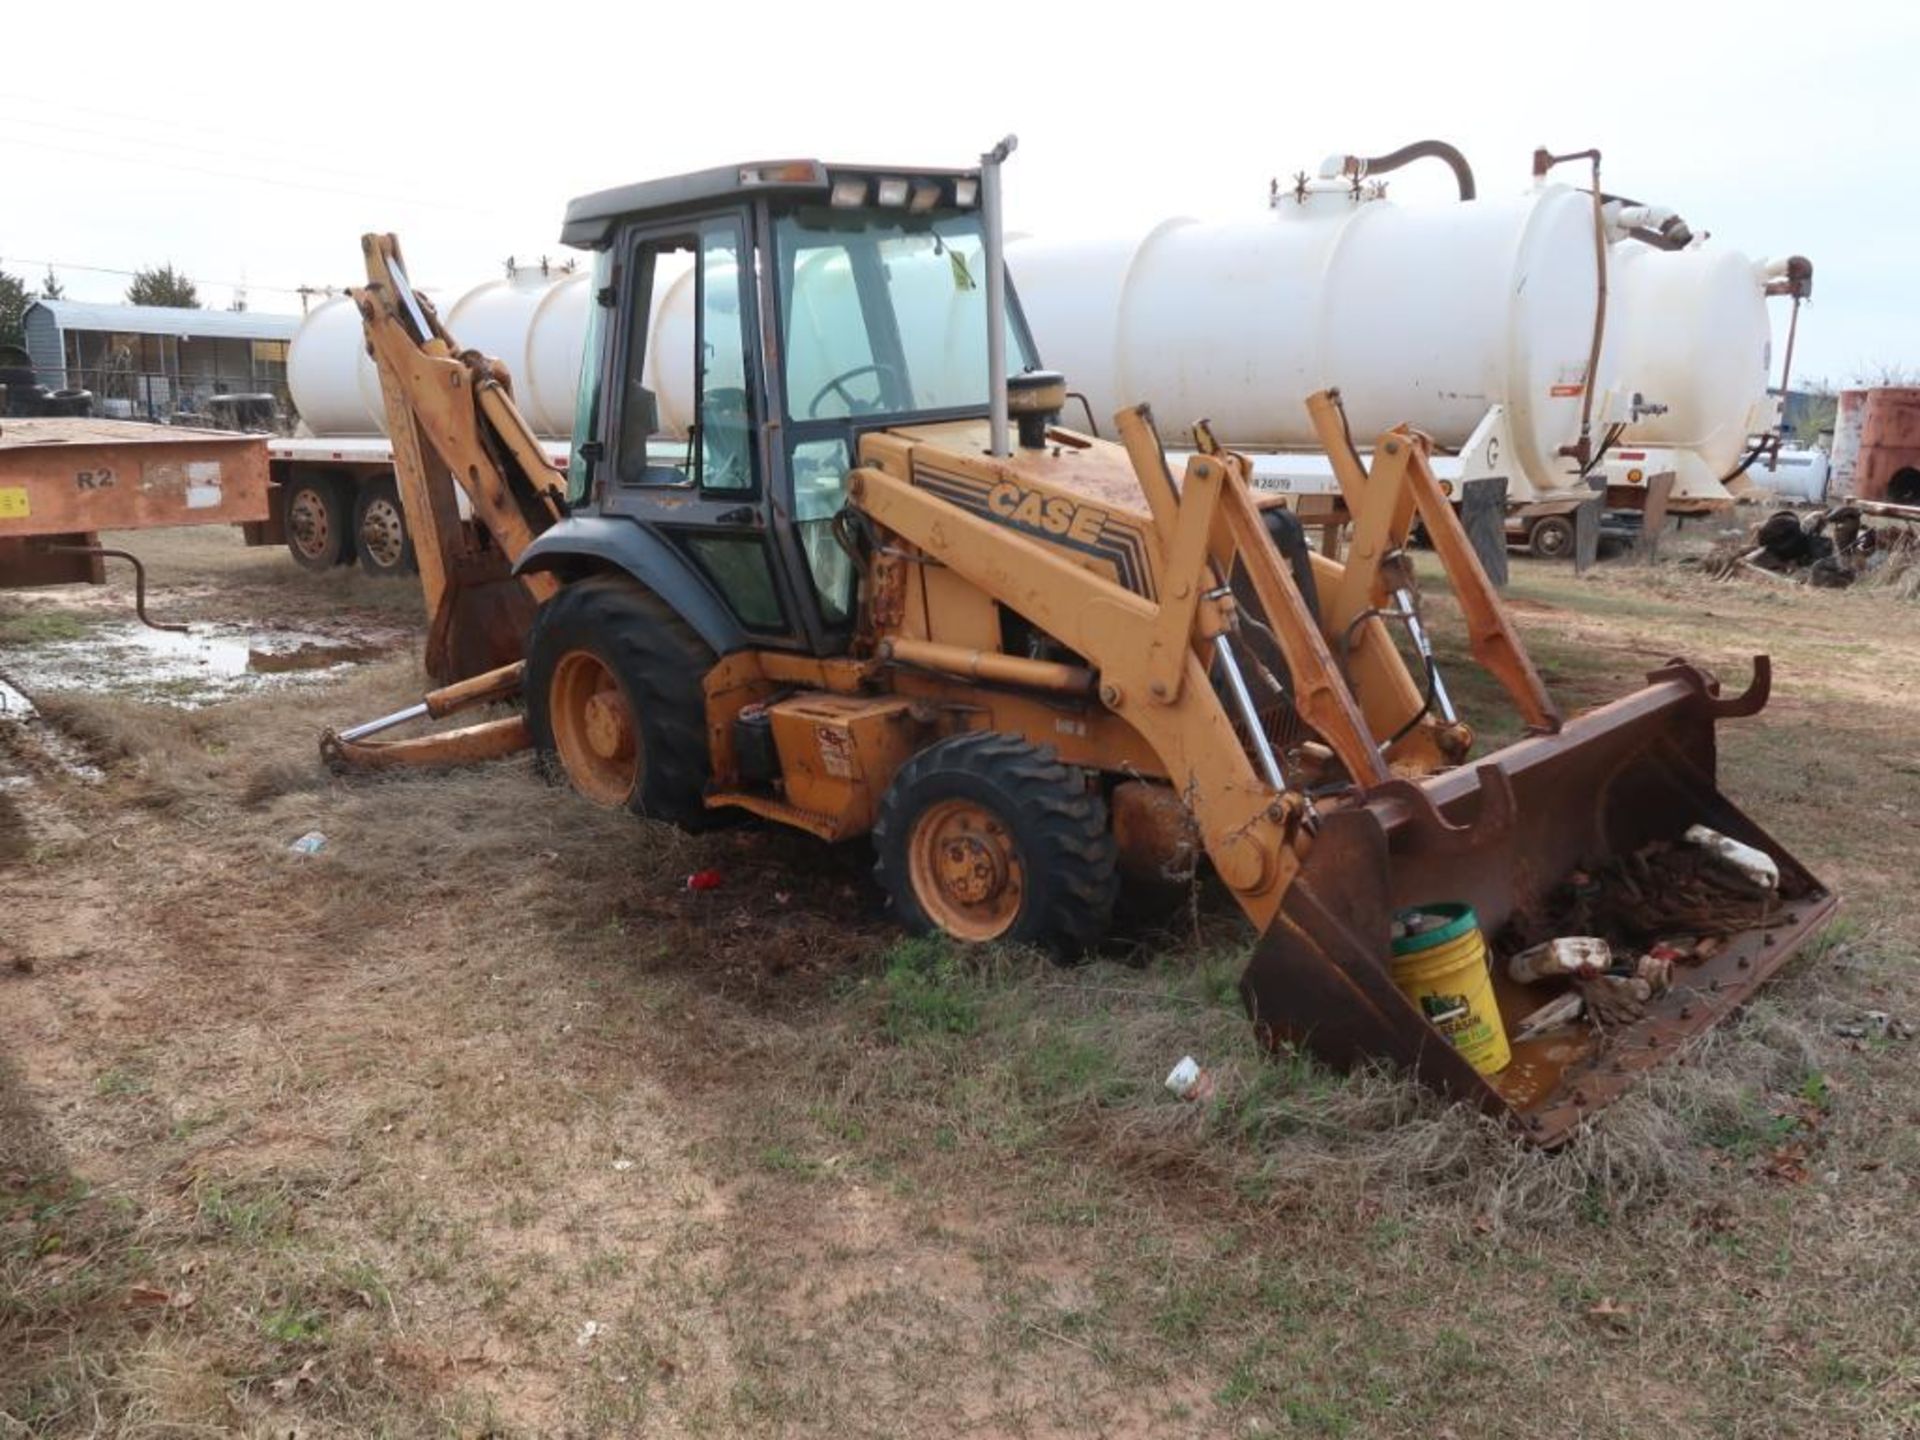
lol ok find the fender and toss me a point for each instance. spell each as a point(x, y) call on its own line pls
point(582, 544)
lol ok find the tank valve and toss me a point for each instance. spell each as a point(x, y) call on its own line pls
point(1034, 400)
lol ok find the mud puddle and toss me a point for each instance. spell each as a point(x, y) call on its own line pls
point(200, 666)
point(30, 747)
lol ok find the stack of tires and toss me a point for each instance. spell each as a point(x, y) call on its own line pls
point(22, 396)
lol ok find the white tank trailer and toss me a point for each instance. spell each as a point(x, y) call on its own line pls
point(1473, 320)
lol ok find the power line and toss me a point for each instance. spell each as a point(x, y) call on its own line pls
point(254, 179)
point(147, 120)
point(130, 274)
point(222, 153)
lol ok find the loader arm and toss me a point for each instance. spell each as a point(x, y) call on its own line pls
point(1153, 656)
point(455, 428)
point(1383, 503)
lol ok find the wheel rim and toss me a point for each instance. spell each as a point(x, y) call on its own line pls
point(307, 524)
point(966, 871)
point(593, 728)
point(384, 532)
point(1551, 541)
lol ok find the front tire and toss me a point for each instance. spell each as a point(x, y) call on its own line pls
point(986, 837)
point(1551, 538)
point(614, 699)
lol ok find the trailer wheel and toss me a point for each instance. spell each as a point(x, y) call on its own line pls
point(987, 837)
point(380, 537)
point(1551, 537)
point(614, 699)
point(318, 518)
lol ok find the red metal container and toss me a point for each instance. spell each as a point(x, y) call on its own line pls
point(1889, 463)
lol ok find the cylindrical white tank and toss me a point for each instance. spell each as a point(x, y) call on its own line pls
point(1693, 334)
point(536, 323)
point(1423, 314)
point(1804, 476)
point(533, 321)
point(330, 375)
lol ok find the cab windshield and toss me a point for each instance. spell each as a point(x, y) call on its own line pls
point(885, 313)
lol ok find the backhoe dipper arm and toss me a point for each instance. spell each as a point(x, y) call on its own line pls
point(453, 422)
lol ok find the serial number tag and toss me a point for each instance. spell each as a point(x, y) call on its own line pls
point(13, 503)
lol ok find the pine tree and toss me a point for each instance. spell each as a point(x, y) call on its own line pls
point(14, 299)
point(163, 286)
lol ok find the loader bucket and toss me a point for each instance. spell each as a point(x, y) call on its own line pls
point(1573, 833)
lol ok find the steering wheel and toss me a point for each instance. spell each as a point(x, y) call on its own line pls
point(838, 386)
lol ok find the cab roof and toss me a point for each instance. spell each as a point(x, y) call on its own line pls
point(591, 218)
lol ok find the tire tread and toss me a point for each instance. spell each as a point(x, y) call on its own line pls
point(1075, 856)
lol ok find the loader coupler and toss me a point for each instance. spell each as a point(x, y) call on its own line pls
point(1576, 833)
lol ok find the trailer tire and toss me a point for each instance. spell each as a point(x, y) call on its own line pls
point(986, 837)
point(615, 700)
point(1550, 537)
point(382, 540)
point(317, 514)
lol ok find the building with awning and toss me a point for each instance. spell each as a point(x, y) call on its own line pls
point(153, 362)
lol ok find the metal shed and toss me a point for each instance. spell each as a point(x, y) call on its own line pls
point(154, 362)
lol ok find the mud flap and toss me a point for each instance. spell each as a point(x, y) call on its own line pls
point(1502, 837)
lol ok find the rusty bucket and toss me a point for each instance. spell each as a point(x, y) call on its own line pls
point(1576, 827)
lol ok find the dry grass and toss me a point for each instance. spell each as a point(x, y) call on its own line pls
point(405, 1118)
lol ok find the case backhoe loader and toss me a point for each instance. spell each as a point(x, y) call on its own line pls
point(798, 568)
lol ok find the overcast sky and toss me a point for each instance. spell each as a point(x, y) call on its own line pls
point(259, 143)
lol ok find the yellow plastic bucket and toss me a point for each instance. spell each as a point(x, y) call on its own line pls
point(1443, 971)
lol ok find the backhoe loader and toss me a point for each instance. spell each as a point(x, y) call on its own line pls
point(824, 555)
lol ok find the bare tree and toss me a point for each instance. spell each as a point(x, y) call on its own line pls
point(1885, 372)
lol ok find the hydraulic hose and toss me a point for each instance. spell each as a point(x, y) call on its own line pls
point(1356, 166)
point(1761, 447)
point(1670, 233)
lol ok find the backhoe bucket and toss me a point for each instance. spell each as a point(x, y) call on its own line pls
point(1576, 833)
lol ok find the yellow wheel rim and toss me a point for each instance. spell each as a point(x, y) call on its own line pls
point(966, 870)
point(593, 728)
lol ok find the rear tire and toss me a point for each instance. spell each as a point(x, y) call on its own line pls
point(1551, 538)
point(986, 837)
point(614, 699)
point(317, 516)
point(382, 541)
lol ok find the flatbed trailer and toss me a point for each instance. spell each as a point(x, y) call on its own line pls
point(63, 481)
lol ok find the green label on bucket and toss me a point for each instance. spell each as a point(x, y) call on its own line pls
point(1453, 1017)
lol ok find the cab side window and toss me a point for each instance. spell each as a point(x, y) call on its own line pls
point(686, 416)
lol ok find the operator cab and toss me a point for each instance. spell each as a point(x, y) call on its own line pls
point(750, 323)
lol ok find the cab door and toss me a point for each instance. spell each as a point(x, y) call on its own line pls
point(684, 453)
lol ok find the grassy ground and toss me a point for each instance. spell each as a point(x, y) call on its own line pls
point(480, 1123)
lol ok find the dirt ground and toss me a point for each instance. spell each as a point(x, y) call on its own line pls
point(479, 1122)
